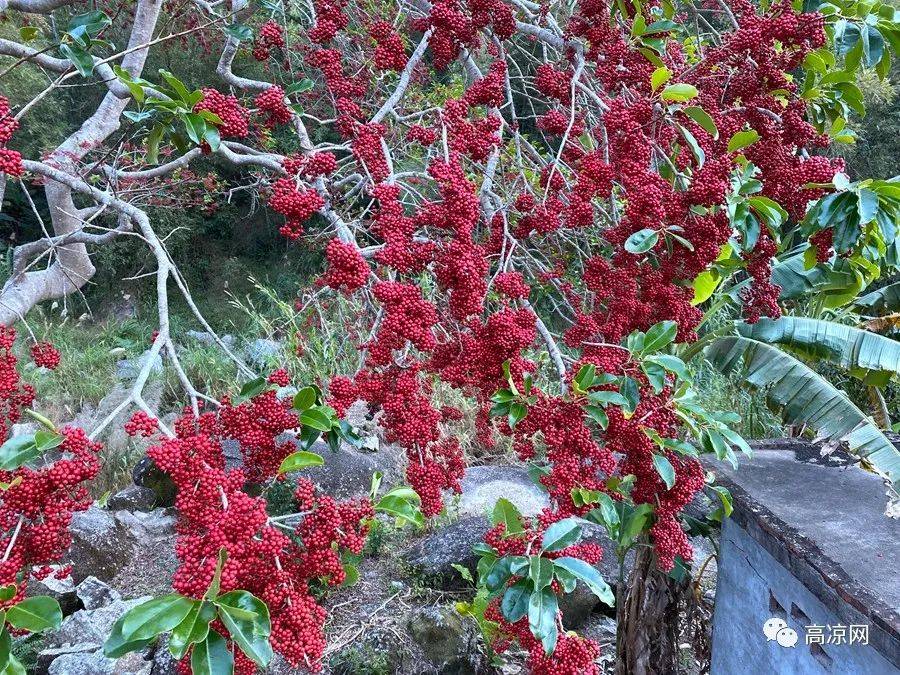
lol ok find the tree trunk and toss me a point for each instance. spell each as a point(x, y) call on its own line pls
point(648, 608)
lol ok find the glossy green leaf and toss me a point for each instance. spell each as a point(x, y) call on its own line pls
point(665, 470)
point(642, 241)
point(212, 657)
point(506, 512)
point(247, 619)
point(193, 628)
point(156, 616)
point(561, 534)
point(592, 578)
point(742, 139)
point(679, 92)
point(300, 460)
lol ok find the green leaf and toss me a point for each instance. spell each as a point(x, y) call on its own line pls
point(701, 117)
point(506, 512)
point(867, 206)
point(561, 534)
point(515, 601)
point(118, 644)
point(239, 31)
point(659, 335)
point(609, 515)
point(598, 415)
point(401, 507)
point(671, 363)
point(35, 614)
point(804, 397)
point(247, 619)
point(587, 573)
point(193, 628)
point(665, 470)
point(660, 77)
point(540, 571)
point(254, 388)
point(211, 657)
point(300, 87)
point(17, 451)
point(178, 87)
point(5, 648)
point(29, 33)
point(742, 139)
point(725, 497)
point(316, 418)
point(7, 592)
point(517, 412)
point(696, 151)
point(14, 667)
point(212, 137)
point(642, 240)
point(679, 92)
point(83, 62)
point(305, 398)
point(155, 616)
point(542, 610)
point(195, 126)
point(634, 524)
point(300, 460)
point(871, 357)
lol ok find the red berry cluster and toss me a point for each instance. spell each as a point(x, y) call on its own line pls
point(45, 355)
point(281, 566)
point(347, 268)
point(141, 423)
point(390, 53)
point(271, 102)
point(14, 394)
point(297, 203)
point(233, 115)
point(37, 508)
point(10, 160)
point(270, 36)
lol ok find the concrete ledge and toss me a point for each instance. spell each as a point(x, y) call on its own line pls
point(821, 519)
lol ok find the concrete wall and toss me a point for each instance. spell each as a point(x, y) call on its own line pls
point(754, 587)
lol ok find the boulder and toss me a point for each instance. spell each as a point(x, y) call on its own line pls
point(100, 545)
point(62, 590)
point(147, 475)
point(81, 663)
point(347, 471)
point(90, 626)
point(163, 663)
point(133, 498)
point(93, 593)
point(208, 339)
point(148, 528)
point(482, 486)
point(127, 370)
point(433, 557)
point(264, 353)
point(445, 638)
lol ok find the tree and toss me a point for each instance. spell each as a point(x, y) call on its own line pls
point(527, 202)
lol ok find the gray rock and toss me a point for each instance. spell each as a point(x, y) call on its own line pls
point(482, 486)
point(47, 656)
point(348, 471)
point(81, 663)
point(147, 528)
point(133, 498)
point(94, 594)
point(163, 663)
point(231, 448)
point(128, 369)
point(91, 626)
point(262, 352)
point(434, 556)
point(209, 339)
point(62, 590)
point(22, 429)
point(445, 638)
point(100, 546)
point(147, 475)
point(134, 663)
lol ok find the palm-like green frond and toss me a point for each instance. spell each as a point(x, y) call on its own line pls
point(802, 396)
point(882, 301)
point(871, 357)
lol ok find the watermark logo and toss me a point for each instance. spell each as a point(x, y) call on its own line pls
point(777, 629)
